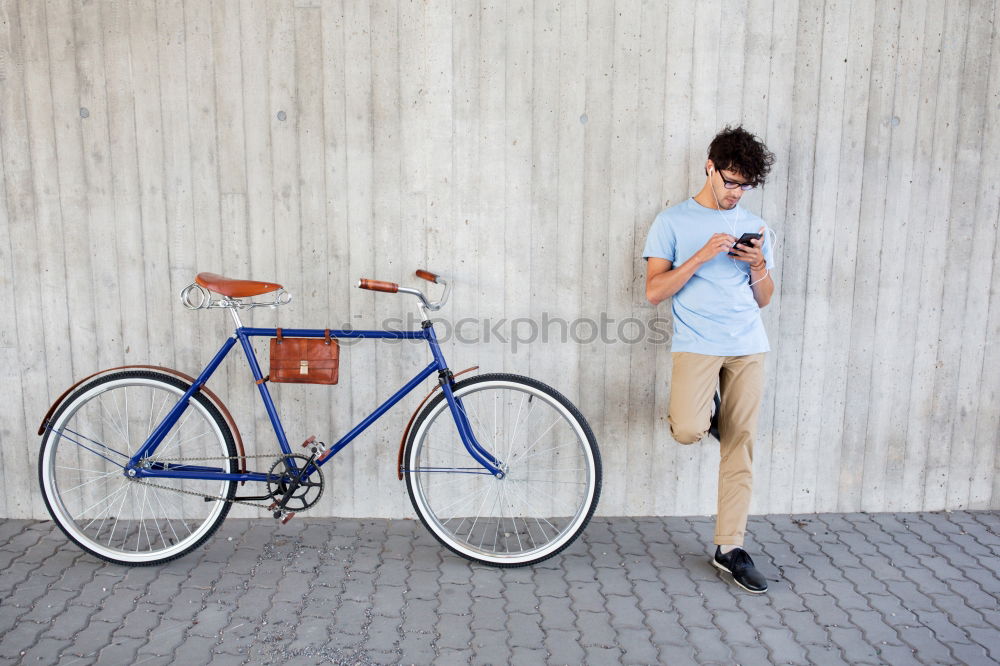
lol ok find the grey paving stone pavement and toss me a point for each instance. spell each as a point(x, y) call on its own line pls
point(919, 588)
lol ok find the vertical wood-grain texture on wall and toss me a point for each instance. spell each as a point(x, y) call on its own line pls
point(522, 148)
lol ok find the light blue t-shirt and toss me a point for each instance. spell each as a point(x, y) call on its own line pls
point(714, 313)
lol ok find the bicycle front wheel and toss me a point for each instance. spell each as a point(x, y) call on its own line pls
point(117, 518)
point(551, 464)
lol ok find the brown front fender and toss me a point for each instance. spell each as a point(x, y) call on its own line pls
point(214, 399)
point(409, 424)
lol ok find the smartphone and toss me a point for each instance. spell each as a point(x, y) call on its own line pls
point(745, 240)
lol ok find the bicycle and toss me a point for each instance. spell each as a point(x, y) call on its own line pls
point(139, 465)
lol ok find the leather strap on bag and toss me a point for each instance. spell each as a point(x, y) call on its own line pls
point(267, 377)
point(326, 335)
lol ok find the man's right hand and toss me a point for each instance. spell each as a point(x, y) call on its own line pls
point(716, 245)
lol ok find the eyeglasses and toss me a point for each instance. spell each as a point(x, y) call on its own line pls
point(732, 184)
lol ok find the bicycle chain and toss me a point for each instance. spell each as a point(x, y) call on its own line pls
point(228, 500)
point(259, 455)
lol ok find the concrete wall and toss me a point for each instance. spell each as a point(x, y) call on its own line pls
point(522, 148)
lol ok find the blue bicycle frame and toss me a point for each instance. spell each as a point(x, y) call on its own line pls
point(489, 463)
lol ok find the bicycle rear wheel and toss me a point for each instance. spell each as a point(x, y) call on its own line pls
point(552, 471)
point(117, 518)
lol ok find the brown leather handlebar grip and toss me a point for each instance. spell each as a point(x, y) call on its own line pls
point(378, 285)
point(427, 275)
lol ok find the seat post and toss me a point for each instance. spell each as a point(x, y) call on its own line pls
point(236, 318)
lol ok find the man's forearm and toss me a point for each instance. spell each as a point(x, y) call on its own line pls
point(666, 284)
point(763, 285)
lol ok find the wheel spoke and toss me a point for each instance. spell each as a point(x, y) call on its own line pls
point(158, 455)
point(101, 501)
point(496, 430)
point(89, 471)
point(550, 495)
point(159, 412)
point(555, 531)
point(106, 512)
point(114, 525)
point(461, 500)
point(156, 521)
point(118, 422)
point(128, 439)
point(517, 422)
point(527, 530)
point(114, 424)
point(539, 453)
point(479, 512)
point(138, 531)
point(513, 524)
point(441, 480)
point(496, 498)
point(559, 469)
point(152, 401)
point(544, 432)
point(174, 434)
point(166, 515)
point(87, 483)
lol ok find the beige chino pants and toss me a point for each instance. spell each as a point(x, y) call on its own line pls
point(741, 384)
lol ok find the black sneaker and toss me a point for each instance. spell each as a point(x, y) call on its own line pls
point(738, 563)
point(713, 425)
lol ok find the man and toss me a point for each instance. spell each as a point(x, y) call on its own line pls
point(717, 288)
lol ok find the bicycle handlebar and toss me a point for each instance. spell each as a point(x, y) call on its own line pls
point(427, 275)
point(393, 288)
point(378, 285)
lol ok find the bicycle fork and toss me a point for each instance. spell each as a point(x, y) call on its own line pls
point(491, 463)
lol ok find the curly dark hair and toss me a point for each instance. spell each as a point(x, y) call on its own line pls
point(735, 149)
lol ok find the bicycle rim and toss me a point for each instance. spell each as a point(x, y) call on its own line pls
point(552, 472)
point(110, 515)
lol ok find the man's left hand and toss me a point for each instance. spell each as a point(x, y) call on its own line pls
point(752, 254)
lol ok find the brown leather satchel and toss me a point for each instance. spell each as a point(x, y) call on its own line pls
point(304, 360)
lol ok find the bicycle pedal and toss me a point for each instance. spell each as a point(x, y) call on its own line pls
point(317, 447)
point(288, 516)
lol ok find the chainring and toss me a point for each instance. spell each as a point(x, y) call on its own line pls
point(279, 479)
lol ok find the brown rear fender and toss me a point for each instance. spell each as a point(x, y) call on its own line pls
point(214, 399)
